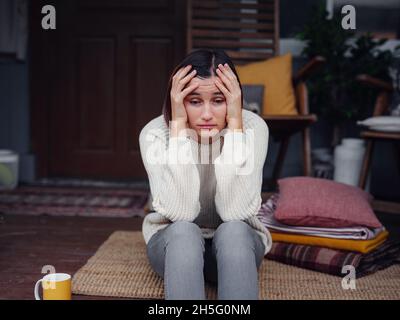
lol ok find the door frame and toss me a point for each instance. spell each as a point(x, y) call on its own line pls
point(41, 69)
point(39, 84)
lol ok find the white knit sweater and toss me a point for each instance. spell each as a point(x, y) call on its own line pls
point(227, 187)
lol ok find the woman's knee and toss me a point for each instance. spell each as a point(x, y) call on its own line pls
point(183, 228)
point(234, 237)
point(233, 230)
point(184, 235)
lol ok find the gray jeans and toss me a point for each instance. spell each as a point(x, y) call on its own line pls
point(185, 259)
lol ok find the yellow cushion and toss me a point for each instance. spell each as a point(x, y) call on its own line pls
point(276, 76)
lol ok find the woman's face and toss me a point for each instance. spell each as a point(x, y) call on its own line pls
point(205, 106)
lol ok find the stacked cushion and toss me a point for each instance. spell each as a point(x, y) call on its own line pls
point(307, 201)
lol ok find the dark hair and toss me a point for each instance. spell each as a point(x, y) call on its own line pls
point(205, 61)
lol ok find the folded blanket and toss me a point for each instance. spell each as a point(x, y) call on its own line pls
point(363, 246)
point(332, 261)
point(266, 216)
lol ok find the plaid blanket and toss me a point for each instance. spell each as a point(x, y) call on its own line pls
point(328, 260)
point(332, 261)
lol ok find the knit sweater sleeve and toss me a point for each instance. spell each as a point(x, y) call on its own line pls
point(173, 177)
point(239, 172)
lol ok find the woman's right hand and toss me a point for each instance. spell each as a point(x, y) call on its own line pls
point(178, 94)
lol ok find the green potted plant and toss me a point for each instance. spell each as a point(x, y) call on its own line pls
point(335, 94)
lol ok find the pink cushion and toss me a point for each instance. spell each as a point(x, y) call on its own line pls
point(316, 202)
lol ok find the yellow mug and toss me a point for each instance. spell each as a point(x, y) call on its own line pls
point(56, 286)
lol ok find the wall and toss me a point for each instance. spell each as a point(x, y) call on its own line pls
point(14, 114)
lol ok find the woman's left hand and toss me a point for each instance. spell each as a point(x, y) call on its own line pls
point(228, 83)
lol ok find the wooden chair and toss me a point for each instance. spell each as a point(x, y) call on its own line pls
point(381, 106)
point(249, 32)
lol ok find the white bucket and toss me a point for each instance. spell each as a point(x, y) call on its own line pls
point(348, 158)
point(8, 169)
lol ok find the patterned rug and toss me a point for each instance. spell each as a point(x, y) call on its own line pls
point(74, 201)
point(74, 182)
point(120, 268)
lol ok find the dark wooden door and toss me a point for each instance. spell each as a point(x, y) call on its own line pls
point(104, 72)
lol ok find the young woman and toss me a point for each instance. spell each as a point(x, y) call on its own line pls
point(204, 224)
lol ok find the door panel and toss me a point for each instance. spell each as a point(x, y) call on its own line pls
point(95, 101)
point(154, 75)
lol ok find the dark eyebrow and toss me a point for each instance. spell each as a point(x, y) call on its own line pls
point(214, 93)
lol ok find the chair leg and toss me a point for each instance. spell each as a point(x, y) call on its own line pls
point(306, 153)
point(279, 161)
point(366, 164)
